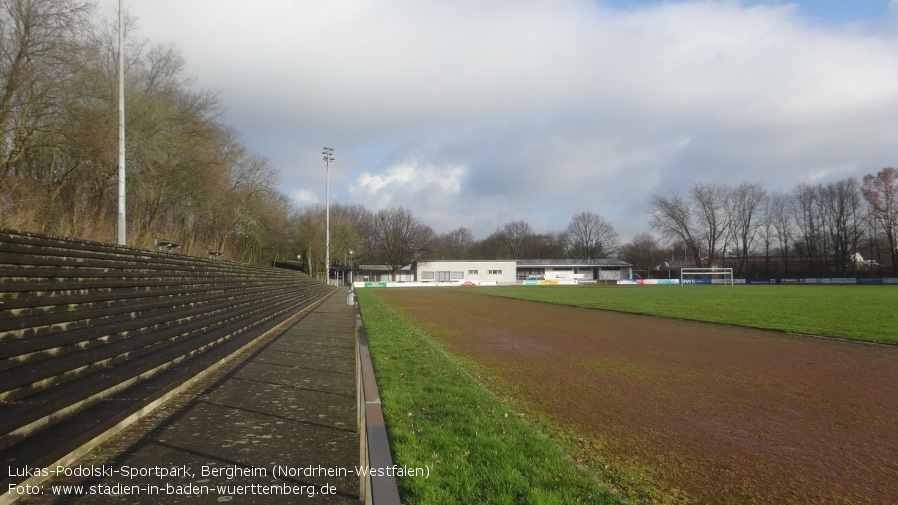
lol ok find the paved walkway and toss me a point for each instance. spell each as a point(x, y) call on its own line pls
point(289, 408)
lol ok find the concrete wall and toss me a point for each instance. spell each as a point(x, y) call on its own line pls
point(500, 271)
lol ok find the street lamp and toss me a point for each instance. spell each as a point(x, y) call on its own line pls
point(328, 158)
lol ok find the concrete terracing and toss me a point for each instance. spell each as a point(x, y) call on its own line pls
point(287, 406)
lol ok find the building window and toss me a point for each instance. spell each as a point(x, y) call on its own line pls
point(426, 275)
point(495, 272)
point(472, 272)
point(456, 275)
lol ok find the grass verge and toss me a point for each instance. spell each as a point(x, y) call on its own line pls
point(853, 312)
point(479, 449)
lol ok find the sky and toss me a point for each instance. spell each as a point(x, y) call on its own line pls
point(475, 113)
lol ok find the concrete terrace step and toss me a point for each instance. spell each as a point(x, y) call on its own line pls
point(290, 402)
point(91, 334)
point(184, 324)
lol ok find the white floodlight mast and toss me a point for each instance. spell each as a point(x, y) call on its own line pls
point(328, 158)
point(122, 239)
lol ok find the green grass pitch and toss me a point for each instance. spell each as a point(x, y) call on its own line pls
point(868, 313)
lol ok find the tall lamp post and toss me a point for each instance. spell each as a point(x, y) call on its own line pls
point(328, 158)
point(122, 239)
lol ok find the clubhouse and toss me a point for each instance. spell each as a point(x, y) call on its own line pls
point(501, 272)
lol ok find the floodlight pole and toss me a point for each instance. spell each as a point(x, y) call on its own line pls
point(121, 129)
point(328, 158)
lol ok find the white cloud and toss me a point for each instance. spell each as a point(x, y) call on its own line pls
point(304, 197)
point(476, 113)
point(410, 182)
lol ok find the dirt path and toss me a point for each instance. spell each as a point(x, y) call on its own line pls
point(722, 414)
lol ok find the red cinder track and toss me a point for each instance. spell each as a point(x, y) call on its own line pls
point(718, 413)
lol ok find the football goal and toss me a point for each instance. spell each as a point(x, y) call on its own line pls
point(706, 276)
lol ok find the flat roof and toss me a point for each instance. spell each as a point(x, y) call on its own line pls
point(605, 262)
point(569, 263)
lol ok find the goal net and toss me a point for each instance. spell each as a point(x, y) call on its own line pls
point(706, 276)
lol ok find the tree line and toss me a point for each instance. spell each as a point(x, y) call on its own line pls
point(394, 237)
point(839, 228)
point(842, 228)
point(192, 182)
point(190, 179)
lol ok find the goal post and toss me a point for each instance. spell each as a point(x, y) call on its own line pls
point(706, 275)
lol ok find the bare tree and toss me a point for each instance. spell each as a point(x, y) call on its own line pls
point(173, 149)
point(514, 237)
point(745, 212)
point(38, 39)
point(399, 237)
point(829, 223)
point(777, 229)
point(308, 226)
point(710, 204)
point(490, 248)
point(644, 252)
point(548, 245)
point(456, 245)
point(591, 236)
point(844, 221)
point(881, 193)
point(189, 178)
point(39, 66)
point(355, 225)
point(810, 240)
point(674, 218)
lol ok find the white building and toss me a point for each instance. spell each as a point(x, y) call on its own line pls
point(502, 272)
point(607, 269)
point(494, 272)
point(382, 273)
